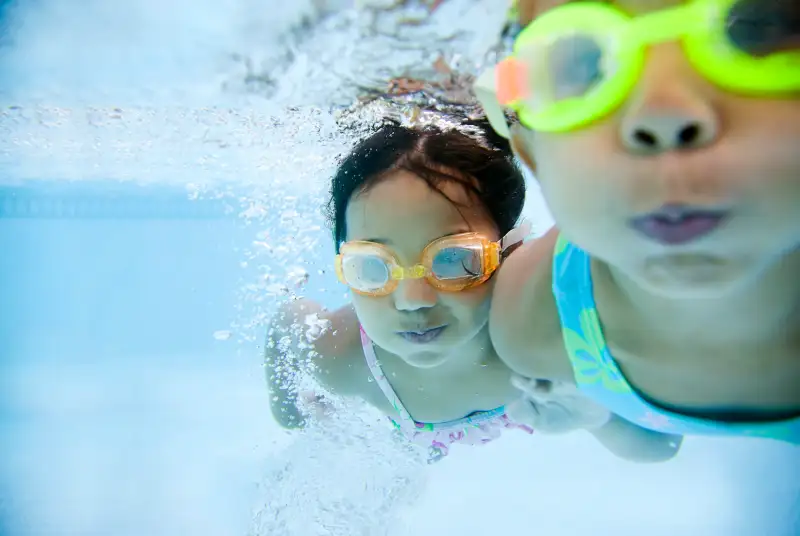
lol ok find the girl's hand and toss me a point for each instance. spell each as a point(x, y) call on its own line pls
point(555, 408)
point(314, 405)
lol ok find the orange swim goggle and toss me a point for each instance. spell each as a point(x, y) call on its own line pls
point(450, 264)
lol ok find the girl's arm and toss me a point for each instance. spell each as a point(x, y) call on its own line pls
point(559, 407)
point(304, 338)
point(286, 347)
point(634, 443)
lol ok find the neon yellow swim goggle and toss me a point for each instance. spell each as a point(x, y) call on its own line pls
point(577, 63)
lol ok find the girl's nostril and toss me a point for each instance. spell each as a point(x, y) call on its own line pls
point(688, 135)
point(645, 138)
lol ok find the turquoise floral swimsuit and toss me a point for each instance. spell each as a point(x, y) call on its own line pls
point(598, 375)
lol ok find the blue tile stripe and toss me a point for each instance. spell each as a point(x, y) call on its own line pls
point(99, 200)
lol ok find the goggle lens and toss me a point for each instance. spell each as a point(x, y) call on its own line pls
point(575, 66)
point(365, 272)
point(458, 264)
point(761, 28)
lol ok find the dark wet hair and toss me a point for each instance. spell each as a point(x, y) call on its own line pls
point(483, 163)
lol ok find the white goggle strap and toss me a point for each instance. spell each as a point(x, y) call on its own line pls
point(485, 88)
point(516, 236)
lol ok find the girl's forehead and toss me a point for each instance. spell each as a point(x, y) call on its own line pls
point(404, 208)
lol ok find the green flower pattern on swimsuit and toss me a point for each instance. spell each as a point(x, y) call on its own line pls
point(592, 361)
point(561, 246)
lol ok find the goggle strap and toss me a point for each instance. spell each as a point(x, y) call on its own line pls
point(485, 88)
point(516, 235)
point(339, 269)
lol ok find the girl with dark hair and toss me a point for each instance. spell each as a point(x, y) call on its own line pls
point(418, 215)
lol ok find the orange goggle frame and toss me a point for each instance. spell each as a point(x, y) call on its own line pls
point(484, 255)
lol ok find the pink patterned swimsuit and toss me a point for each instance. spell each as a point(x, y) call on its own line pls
point(474, 429)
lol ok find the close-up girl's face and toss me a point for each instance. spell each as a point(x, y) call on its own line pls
point(417, 322)
point(687, 187)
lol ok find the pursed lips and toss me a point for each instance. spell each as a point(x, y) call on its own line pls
point(421, 329)
point(678, 224)
point(421, 335)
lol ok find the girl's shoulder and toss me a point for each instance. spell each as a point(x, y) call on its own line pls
point(524, 321)
point(523, 283)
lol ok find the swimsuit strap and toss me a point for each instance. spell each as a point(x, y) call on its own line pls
point(383, 383)
point(407, 422)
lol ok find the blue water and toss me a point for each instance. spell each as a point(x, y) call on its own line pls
point(114, 389)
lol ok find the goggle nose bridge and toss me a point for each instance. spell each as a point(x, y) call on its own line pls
point(398, 273)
